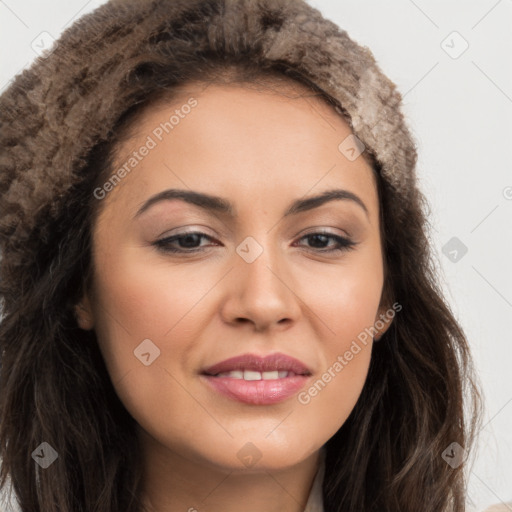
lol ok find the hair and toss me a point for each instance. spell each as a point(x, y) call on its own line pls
point(420, 395)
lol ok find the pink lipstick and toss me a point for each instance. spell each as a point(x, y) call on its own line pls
point(257, 380)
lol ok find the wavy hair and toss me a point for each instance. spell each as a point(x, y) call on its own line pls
point(60, 124)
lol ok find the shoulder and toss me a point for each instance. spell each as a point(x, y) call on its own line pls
point(500, 507)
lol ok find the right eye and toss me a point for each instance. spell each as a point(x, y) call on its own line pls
point(188, 242)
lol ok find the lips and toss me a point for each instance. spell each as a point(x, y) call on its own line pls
point(257, 380)
point(251, 364)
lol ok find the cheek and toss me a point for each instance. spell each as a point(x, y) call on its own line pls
point(346, 297)
point(136, 302)
point(346, 303)
point(330, 398)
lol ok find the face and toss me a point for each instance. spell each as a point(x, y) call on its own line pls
point(182, 283)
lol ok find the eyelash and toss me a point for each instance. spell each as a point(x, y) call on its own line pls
point(164, 244)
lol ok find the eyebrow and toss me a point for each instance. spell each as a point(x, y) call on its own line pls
point(222, 206)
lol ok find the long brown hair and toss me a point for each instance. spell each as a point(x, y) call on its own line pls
point(420, 395)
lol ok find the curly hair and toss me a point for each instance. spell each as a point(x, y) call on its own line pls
point(60, 123)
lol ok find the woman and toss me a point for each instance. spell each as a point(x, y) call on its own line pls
point(298, 355)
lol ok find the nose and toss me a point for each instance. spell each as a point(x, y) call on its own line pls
point(261, 293)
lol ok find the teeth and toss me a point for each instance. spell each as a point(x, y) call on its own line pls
point(253, 375)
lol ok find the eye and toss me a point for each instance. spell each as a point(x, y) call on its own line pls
point(189, 242)
point(321, 238)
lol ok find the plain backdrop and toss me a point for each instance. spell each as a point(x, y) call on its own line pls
point(451, 60)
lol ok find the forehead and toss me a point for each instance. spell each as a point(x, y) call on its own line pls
point(241, 141)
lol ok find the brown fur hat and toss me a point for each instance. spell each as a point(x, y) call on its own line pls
point(54, 113)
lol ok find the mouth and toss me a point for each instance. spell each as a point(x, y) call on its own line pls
point(255, 375)
point(257, 380)
point(255, 367)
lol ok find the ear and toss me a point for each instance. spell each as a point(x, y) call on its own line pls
point(383, 321)
point(83, 314)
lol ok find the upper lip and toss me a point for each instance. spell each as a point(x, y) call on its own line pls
point(271, 362)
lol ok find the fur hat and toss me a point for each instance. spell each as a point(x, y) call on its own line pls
point(56, 111)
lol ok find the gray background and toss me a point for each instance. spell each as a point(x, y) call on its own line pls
point(458, 102)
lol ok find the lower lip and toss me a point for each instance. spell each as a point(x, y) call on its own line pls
point(257, 392)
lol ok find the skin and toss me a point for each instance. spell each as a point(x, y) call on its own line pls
point(260, 151)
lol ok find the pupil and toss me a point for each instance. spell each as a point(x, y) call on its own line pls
point(190, 238)
point(316, 237)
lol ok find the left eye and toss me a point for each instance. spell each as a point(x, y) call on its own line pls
point(343, 243)
point(189, 242)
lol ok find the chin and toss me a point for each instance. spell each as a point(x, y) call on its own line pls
point(258, 455)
